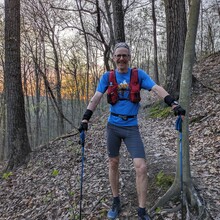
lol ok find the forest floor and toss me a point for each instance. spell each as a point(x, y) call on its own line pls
point(49, 186)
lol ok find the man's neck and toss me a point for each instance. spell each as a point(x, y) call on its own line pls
point(122, 70)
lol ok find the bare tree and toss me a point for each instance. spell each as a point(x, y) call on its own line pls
point(79, 7)
point(98, 29)
point(16, 124)
point(48, 26)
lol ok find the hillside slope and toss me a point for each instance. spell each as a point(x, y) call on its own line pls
point(49, 186)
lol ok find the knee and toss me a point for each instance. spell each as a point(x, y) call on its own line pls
point(113, 162)
point(141, 169)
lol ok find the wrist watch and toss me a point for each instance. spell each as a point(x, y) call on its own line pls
point(174, 103)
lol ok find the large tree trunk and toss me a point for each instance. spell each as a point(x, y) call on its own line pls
point(118, 18)
point(176, 32)
point(16, 124)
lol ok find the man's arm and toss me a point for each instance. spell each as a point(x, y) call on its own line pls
point(160, 91)
point(92, 105)
point(169, 100)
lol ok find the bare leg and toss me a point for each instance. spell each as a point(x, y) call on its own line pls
point(141, 180)
point(114, 175)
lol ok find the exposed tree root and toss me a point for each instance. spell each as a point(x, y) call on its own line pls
point(193, 204)
point(175, 209)
point(173, 191)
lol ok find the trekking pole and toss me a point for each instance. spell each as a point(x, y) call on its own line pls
point(179, 128)
point(82, 139)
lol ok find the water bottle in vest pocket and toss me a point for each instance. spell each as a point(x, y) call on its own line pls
point(134, 87)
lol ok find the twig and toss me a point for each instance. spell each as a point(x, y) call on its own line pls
point(96, 203)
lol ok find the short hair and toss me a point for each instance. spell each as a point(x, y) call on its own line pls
point(121, 45)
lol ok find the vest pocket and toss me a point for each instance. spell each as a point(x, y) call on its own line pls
point(112, 94)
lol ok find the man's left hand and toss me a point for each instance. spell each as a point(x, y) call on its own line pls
point(178, 110)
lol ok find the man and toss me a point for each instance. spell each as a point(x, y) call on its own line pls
point(122, 124)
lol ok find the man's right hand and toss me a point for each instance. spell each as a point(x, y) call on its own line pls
point(83, 126)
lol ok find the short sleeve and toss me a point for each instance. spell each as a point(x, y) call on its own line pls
point(103, 83)
point(145, 80)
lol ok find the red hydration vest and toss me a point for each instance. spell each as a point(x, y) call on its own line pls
point(112, 92)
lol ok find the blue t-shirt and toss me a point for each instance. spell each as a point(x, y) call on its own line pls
point(124, 106)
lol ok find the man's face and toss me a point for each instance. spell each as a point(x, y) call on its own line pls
point(122, 58)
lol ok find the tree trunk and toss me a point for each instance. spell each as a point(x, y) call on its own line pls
point(156, 74)
point(98, 29)
point(27, 102)
point(109, 22)
point(16, 124)
point(176, 32)
point(48, 127)
point(60, 121)
point(37, 109)
point(190, 195)
point(2, 124)
point(118, 18)
point(186, 85)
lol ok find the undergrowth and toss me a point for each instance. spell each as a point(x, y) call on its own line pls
point(164, 180)
point(158, 110)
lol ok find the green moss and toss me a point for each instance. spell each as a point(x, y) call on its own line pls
point(158, 110)
point(164, 180)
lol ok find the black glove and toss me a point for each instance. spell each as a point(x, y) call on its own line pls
point(178, 110)
point(86, 116)
point(83, 126)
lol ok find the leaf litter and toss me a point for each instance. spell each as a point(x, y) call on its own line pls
point(49, 186)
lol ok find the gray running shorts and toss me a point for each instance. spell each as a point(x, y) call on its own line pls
point(131, 137)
